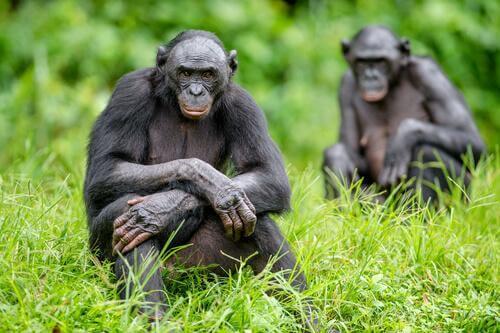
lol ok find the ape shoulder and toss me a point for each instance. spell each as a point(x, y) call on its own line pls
point(348, 79)
point(132, 90)
point(347, 84)
point(240, 109)
point(423, 68)
point(427, 76)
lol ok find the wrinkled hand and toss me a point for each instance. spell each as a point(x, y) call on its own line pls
point(139, 223)
point(396, 162)
point(235, 211)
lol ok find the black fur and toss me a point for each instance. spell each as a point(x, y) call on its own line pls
point(143, 125)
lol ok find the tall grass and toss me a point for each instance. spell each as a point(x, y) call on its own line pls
point(375, 267)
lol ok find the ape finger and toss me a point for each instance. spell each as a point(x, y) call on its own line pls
point(237, 225)
point(401, 170)
point(126, 239)
point(124, 229)
point(248, 218)
point(391, 179)
point(121, 220)
point(135, 201)
point(141, 238)
point(227, 223)
point(250, 205)
point(383, 177)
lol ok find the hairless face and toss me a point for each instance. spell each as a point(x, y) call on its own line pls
point(375, 56)
point(198, 68)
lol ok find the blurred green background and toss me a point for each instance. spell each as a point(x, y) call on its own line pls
point(59, 61)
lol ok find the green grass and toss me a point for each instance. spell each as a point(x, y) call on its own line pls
point(370, 267)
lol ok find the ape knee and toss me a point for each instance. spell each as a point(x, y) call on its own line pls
point(425, 153)
point(144, 254)
point(332, 155)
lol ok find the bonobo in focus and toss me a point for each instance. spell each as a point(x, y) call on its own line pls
point(156, 163)
point(396, 109)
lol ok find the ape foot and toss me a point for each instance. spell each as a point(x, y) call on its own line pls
point(155, 313)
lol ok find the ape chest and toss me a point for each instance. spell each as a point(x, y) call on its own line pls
point(378, 122)
point(172, 139)
point(383, 119)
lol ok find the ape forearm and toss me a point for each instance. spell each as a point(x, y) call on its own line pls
point(163, 211)
point(191, 175)
point(358, 160)
point(454, 141)
point(268, 191)
point(171, 209)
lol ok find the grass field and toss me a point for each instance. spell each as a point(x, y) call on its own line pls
point(370, 267)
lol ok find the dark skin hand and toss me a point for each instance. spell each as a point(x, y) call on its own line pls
point(397, 158)
point(149, 215)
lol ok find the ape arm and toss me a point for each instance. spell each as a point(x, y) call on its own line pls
point(452, 127)
point(260, 168)
point(349, 130)
point(162, 210)
point(193, 175)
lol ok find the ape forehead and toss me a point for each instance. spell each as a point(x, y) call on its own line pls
point(375, 42)
point(198, 52)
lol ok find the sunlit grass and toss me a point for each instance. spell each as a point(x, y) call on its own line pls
point(377, 267)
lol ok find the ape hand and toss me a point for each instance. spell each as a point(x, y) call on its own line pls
point(235, 211)
point(146, 217)
point(396, 162)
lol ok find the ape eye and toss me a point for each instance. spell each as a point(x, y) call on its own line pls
point(207, 75)
point(184, 74)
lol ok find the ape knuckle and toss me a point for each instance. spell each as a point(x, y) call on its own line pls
point(336, 151)
point(409, 124)
point(193, 161)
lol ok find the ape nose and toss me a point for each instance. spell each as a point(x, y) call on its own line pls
point(196, 89)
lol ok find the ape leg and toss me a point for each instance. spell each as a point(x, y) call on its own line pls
point(271, 243)
point(431, 168)
point(142, 263)
point(341, 167)
point(211, 248)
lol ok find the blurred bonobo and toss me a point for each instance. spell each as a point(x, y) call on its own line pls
point(397, 109)
point(156, 163)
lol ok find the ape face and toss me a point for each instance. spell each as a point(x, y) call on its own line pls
point(372, 77)
point(198, 71)
point(376, 57)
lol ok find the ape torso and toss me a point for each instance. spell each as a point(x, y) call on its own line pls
point(173, 137)
point(379, 121)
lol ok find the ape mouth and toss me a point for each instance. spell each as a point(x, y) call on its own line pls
point(374, 95)
point(195, 112)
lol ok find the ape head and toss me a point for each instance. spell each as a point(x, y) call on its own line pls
point(197, 68)
point(376, 57)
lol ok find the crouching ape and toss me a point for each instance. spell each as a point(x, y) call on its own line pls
point(156, 164)
point(400, 114)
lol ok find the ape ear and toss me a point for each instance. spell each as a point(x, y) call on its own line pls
point(161, 56)
point(232, 62)
point(404, 46)
point(346, 46)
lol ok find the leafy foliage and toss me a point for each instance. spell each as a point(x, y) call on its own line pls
point(60, 60)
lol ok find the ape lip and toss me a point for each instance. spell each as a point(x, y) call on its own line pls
point(195, 111)
point(373, 96)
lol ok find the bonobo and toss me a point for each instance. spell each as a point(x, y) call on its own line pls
point(396, 109)
point(156, 163)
